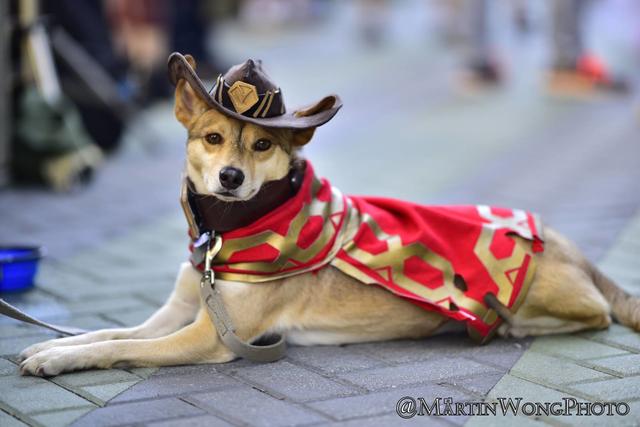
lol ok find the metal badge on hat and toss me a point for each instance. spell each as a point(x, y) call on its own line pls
point(243, 96)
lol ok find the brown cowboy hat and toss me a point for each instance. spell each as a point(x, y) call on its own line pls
point(246, 93)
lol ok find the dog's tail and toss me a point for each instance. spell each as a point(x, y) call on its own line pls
point(625, 307)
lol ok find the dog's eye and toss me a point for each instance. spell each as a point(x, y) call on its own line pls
point(262, 145)
point(213, 138)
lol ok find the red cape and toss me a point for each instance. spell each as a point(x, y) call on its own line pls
point(441, 258)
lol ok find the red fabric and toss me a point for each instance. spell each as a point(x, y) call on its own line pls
point(432, 239)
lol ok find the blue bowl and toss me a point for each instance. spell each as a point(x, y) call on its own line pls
point(18, 267)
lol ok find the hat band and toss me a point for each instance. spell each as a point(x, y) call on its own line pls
point(243, 98)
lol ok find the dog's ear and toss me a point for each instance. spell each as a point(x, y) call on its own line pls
point(301, 137)
point(188, 106)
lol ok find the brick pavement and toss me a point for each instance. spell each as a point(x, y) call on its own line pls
point(591, 366)
point(461, 150)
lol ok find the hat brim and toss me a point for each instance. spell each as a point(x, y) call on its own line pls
point(179, 68)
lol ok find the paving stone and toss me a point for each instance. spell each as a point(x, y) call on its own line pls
point(10, 346)
point(203, 369)
point(621, 389)
point(60, 418)
point(500, 352)
point(331, 359)
point(105, 392)
point(297, 383)
point(158, 386)
point(31, 394)
point(90, 322)
point(16, 329)
point(504, 421)
point(7, 368)
point(201, 421)
point(248, 405)
point(393, 421)
point(402, 351)
point(36, 303)
point(553, 370)
point(138, 412)
point(613, 330)
point(629, 420)
point(107, 305)
point(380, 403)
point(511, 386)
point(143, 372)
point(624, 365)
point(434, 370)
point(93, 377)
point(630, 342)
point(479, 385)
point(7, 420)
point(132, 317)
point(573, 347)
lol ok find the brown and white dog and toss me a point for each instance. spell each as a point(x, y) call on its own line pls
point(567, 294)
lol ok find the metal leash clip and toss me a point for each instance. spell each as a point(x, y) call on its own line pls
point(213, 247)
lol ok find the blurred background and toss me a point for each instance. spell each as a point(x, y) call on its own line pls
point(526, 103)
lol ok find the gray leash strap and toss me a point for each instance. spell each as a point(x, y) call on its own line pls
point(271, 348)
point(15, 313)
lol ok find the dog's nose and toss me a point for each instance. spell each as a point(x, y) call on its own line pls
point(231, 178)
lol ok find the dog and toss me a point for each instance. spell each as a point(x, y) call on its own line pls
point(240, 140)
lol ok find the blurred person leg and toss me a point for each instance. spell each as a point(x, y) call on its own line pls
point(373, 16)
point(481, 68)
point(450, 24)
point(567, 37)
point(191, 22)
point(521, 16)
point(85, 22)
point(140, 31)
point(574, 71)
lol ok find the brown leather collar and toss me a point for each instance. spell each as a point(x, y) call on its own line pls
point(207, 213)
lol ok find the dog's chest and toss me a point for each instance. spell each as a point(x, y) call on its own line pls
point(234, 290)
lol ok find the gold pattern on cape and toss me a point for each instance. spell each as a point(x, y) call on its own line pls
point(501, 270)
point(341, 222)
point(243, 96)
point(289, 251)
point(393, 260)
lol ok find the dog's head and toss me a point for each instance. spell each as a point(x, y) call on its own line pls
point(229, 158)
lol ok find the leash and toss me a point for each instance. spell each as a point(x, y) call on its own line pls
point(267, 349)
point(15, 313)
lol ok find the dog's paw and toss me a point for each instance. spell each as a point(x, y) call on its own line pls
point(52, 361)
point(36, 348)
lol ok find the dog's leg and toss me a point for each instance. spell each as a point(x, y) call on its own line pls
point(195, 343)
point(563, 297)
point(179, 310)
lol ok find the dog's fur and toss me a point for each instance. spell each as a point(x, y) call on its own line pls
point(568, 293)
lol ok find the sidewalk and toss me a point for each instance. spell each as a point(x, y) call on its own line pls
point(115, 250)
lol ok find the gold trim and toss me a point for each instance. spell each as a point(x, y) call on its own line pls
point(219, 91)
point(264, 99)
point(266, 108)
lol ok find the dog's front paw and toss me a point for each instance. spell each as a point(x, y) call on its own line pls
point(53, 361)
point(37, 348)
